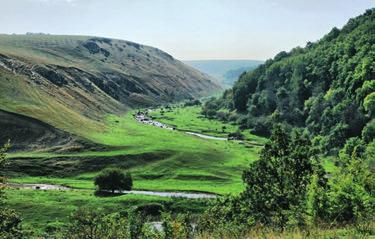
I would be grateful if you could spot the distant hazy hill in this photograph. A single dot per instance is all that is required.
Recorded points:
(225, 71)
(73, 80)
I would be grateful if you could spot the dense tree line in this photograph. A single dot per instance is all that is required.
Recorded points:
(287, 188)
(327, 87)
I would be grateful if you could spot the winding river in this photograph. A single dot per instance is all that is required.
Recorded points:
(41, 186)
(144, 119)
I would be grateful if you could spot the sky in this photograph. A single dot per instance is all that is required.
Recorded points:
(188, 29)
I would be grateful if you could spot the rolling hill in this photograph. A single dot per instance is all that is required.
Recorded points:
(70, 81)
(226, 72)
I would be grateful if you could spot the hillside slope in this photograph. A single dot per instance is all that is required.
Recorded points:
(32, 135)
(70, 81)
(328, 87)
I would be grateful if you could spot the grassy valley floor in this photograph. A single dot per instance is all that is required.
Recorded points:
(159, 159)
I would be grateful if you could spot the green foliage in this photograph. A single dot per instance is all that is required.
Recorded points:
(327, 87)
(10, 224)
(287, 189)
(351, 195)
(150, 209)
(369, 104)
(312, 201)
(10, 221)
(283, 188)
(177, 228)
(113, 179)
(236, 135)
(368, 132)
(192, 103)
(135, 224)
(210, 108)
(88, 224)
(3, 161)
(277, 183)
(167, 225)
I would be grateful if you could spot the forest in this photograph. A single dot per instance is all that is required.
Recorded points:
(326, 88)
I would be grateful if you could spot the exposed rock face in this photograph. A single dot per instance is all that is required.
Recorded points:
(51, 75)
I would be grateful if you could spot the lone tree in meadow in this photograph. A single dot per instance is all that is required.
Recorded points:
(113, 179)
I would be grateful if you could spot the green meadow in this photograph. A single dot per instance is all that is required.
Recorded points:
(190, 119)
(45, 209)
(159, 159)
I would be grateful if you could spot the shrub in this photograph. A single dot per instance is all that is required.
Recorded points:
(192, 103)
(113, 179)
(368, 132)
(150, 209)
(236, 135)
(10, 221)
(351, 196)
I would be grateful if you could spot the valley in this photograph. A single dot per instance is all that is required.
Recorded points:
(153, 155)
(103, 138)
(147, 153)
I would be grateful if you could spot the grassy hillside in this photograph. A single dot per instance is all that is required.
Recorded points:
(74, 81)
(225, 72)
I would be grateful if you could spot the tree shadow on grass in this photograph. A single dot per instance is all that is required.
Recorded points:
(98, 193)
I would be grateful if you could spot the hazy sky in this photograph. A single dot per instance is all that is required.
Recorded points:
(187, 29)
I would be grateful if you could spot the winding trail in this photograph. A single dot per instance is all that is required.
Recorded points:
(41, 186)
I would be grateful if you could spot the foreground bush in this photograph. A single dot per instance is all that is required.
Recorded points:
(287, 189)
(10, 221)
(88, 224)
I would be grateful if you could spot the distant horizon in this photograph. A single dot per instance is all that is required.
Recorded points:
(194, 30)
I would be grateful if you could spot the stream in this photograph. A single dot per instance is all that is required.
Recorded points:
(206, 136)
(144, 119)
(40, 186)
